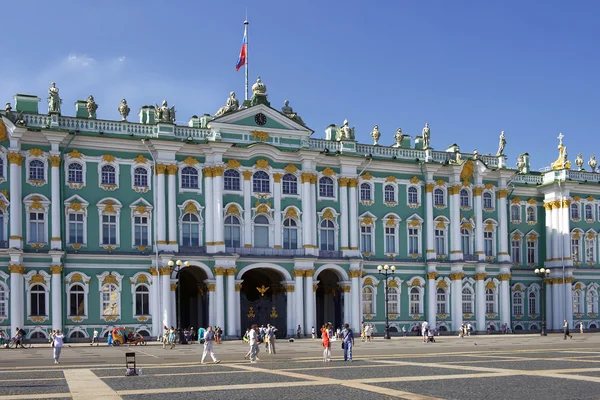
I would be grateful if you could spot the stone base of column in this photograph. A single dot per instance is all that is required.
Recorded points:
(311, 251)
(56, 244)
(350, 253)
(503, 257)
(456, 255)
(215, 248)
(480, 256)
(15, 243)
(171, 247)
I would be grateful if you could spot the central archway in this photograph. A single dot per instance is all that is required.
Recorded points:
(194, 297)
(329, 299)
(263, 300)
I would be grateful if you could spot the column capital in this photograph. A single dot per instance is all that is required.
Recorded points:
(218, 170)
(502, 193)
(299, 273)
(55, 161)
(315, 287)
(238, 287)
(289, 288)
(346, 288)
(478, 191)
(165, 271)
(570, 280)
(453, 190)
(56, 269)
(172, 169)
(220, 271)
(247, 175)
(429, 187)
(15, 158)
(504, 277)
(480, 277)
(548, 205)
(432, 275)
(208, 172)
(343, 182)
(16, 269)
(352, 182)
(309, 273)
(211, 287)
(457, 276)
(277, 177)
(153, 271)
(160, 169)
(355, 273)
(566, 203)
(230, 271)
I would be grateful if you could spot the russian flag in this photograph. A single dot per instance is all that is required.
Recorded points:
(242, 57)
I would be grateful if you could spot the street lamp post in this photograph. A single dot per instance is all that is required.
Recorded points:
(543, 273)
(177, 266)
(386, 270)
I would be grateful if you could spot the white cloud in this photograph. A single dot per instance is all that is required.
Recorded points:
(80, 60)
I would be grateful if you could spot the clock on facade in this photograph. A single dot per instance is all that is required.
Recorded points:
(260, 119)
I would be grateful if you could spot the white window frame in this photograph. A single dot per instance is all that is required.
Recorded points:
(516, 242)
(336, 228)
(493, 232)
(41, 204)
(371, 225)
(410, 300)
(439, 221)
(102, 206)
(391, 221)
(532, 240)
(418, 195)
(394, 200)
(512, 208)
(410, 224)
(470, 241)
(580, 305)
(371, 192)
(535, 290)
(469, 204)
(114, 281)
(269, 227)
(592, 208)
(532, 208)
(198, 169)
(444, 198)
(492, 200)
(576, 238)
(45, 283)
(134, 285)
(373, 299)
(471, 302)
(240, 225)
(494, 301)
(115, 165)
(82, 209)
(575, 208)
(4, 166)
(83, 280)
(44, 159)
(518, 294)
(298, 186)
(591, 298)
(335, 188)
(76, 185)
(191, 207)
(138, 211)
(438, 303)
(591, 243)
(240, 180)
(4, 288)
(141, 189)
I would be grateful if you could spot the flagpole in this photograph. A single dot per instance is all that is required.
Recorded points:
(246, 64)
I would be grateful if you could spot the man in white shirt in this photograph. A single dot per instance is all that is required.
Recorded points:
(209, 338)
(95, 338)
(254, 339)
(425, 330)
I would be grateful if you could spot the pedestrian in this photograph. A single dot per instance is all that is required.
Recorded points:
(254, 342)
(2, 337)
(566, 330)
(367, 333)
(312, 332)
(347, 342)
(172, 337)
(581, 327)
(424, 330)
(326, 344)
(201, 332)
(469, 329)
(57, 344)
(95, 338)
(209, 338)
(165, 337)
(271, 331)
(298, 331)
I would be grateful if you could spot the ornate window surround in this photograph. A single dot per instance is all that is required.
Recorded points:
(236, 210)
(442, 223)
(392, 220)
(535, 289)
(191, 207)
(415, 222)
(37, 203)
(141, 162)
(108, 159)
(334, 181)
(76, 205)
(4, 207)
(493, 200)
(4, 169)
(491, 225)
(578, 234)
(371, 186)
(469, 286)
(396, 283)
(75, 185)
(591, 236)
(36, 154)
(33, 278)
(469, 205)
(105, 278)
(515, 236)
(371, 282)
(492, 284)
(418, 283)
(146, 280)
(331, 214)
(109, 206)
(77, 278)
(293, 213)
(190, 162)
(532, 236)
(418, 203)
(141, 208)
(444, 190)
(394, 186)
(3, 278)
(368, 219)
(446, 284)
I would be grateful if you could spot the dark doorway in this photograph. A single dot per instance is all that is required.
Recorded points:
(263, 300)
(194, 298)
(329, 299)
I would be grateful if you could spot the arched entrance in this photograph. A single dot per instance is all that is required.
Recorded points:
(194, 297)
(263, 300)
(329, 299)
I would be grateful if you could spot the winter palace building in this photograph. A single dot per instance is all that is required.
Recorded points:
(272, 225)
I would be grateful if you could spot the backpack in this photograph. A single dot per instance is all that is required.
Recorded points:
(22, 332)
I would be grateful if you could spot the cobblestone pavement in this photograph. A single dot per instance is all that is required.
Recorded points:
(513, 366)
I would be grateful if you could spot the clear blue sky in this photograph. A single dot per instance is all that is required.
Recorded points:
(469, 68)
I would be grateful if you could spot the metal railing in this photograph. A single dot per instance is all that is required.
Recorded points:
(330, 254)
(260, 251)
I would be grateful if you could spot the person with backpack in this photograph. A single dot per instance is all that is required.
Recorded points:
(347, 342)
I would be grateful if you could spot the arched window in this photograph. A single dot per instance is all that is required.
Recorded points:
(517, 303)
(190, 230)
(144, 333)
(464, 198)
(326, 187)
(140, 177)
(467, 301)
(290, 234)
(110, 300)
(367, 300)
(592, 301)
(38, 301)
(441, 301)
(393, 300)
(589, 212)
(260, 182)
(530, 214)
(575, 211)
(533, 309)
(77, 335)
(142, 300)
(438, 197)
(465, 237)
(189, 178)
(3, 301)
(108, 175)
(76, 301)
(412, 195)
(75, 173)
(490, 301)
(232, 231)
(327, 235)
(261, 231)
(289, 184)
(389, 194)
(515, 212)
(36, 170)
(415, 301)
(365, 192)
(577, 302)
(38, 335)
(487, 201)
(231, 180)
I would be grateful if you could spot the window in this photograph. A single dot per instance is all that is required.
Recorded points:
(109, 229)
(464, 198)
(37, 227)
(590, 251)
(577, 302)
(2, 167)
(142, 300)
(465, 237)
(190, 227)
(365, 192)
(108, 175)
(576, 247)
(438, 197)
(592, 301)
(232, 231)
(110, 300)
(392, 300)
(530, 214)
(76, 228)
(3, 301)
(390, 239)
(517, 303)
(440, 242)
(2, 226)
(412, 195)
(231, 180)
(441, 301)
(38, 301)
(36, 171)
(366, 237)
(140, 227)
(515, 213)
(575, 211)
(189, 178)
(515, 254)
(75, 173)
(415, 301)
(488, 243)
(389, 194)
(488, 204)
(467, 301)
(261, 231)
(326, 187)
(327, 235)
(289, 184)
(413, 241)
(260, 182)
(531, 251)
(140, 177)
(290, 234)
(533, 303)
(77, 335)
(490, 301)
(589, 212)
(77, 301)
(367, 300)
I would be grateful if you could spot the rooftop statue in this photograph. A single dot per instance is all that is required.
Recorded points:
(345, 132)
(124, 110)
(289, 112)
(501, 145)
(562, 162)
(91, 106)
(521, 164)
(259, 88)
(475, 154)
(375, 134)
(593, 163)
(54, 100)
(398, 136)
(231, 105)
(579, 162)
(164, 113)
(426, 137)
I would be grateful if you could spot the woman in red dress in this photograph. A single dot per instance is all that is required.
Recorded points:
(326, 343)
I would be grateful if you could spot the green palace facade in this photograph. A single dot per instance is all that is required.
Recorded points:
(272, 225)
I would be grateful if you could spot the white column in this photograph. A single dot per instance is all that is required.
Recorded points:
(556, 232)
(347, 302)
(548, 208)
(504, 298)
(431, 289)
(556, 305)
(209, 210)
(219, 298)
(309, 299)
(161, 211)
(173, 302)
(219, 229)
(455, 240)
(456, 300)
(289, 293)
(307, 215)
(548, 300)
(16, 205)
(566, 233)
(480, 301)
(277, 210)
(172, 204)
(313, 207)
(568, 303)
(299, 290)
(239, 329)
(343, 184)
(211, 303)
(479, 248)
(247, 209)
(502, 226)
(155, 301)
(353, 208)
(429, 225)
(56, 292)
(16, 298)
(230, 326)
(56, 243)
(355, 292)
(165, 278)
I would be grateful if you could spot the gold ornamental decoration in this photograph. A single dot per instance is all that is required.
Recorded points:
(260, 136)
(110, 279)
(366, 176)
(467, 171)
(75, 154)
(429, 187)
(108, 158)
(233, 164)
(291, 168)
(262, 290)
(247, 175)
(15, 158)
(442, 284)
(190, 208)
(262, 163)
(504, 277)
(55, 161)
(392, 179)
(480, 277)
(251, 314)
(56, 269)
(140, 159)
(2, 131)
(165, 271)
(457, 276)
(232, 209)
(172, 169)
(273, 312)
(291, 213)
(36, 152)
(190, 161)
(432, 275)
(414, 180)
(328, 172)
(328, 214)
